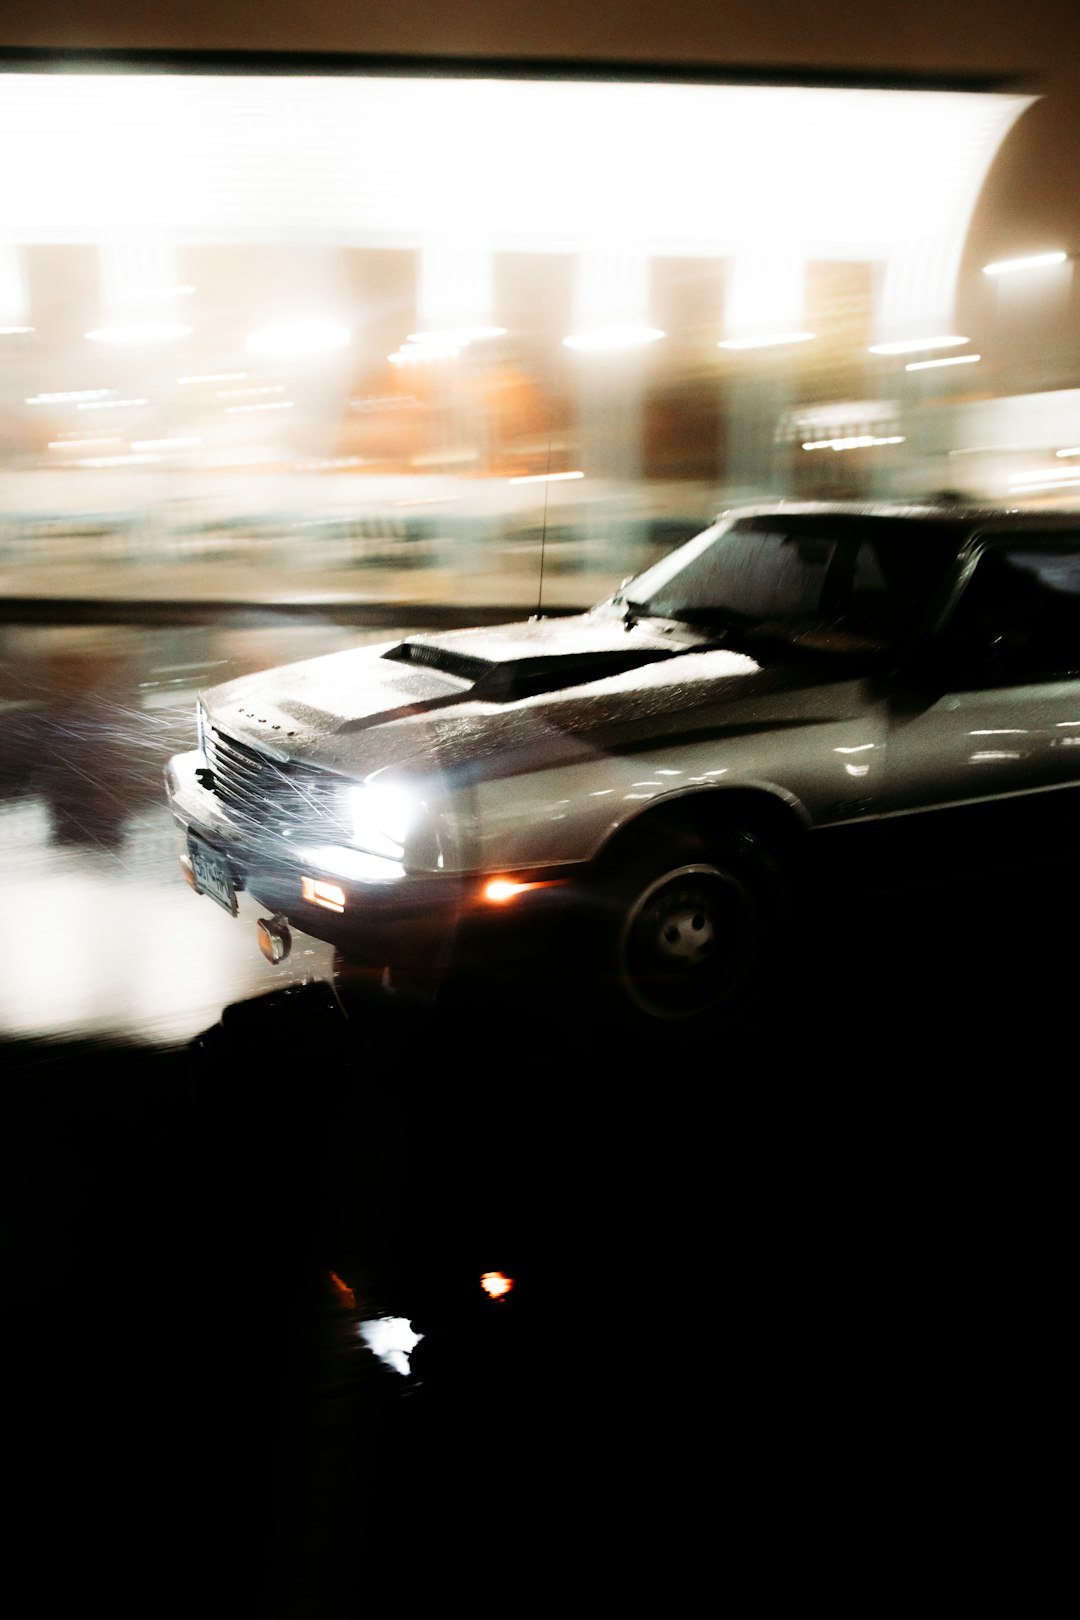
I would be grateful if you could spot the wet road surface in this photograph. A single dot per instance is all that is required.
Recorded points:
(753, 1297)
(103, 934)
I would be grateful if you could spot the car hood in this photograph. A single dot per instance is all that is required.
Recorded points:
(512, 697)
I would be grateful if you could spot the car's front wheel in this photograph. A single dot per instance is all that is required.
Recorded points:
(689, 928)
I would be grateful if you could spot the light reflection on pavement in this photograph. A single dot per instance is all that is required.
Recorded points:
(114, 942)
(102, 934)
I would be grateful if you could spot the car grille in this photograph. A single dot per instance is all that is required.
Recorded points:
(258, 789)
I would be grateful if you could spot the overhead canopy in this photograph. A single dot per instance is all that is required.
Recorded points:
(683, 169)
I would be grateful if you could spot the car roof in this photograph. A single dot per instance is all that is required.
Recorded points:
(951, 520)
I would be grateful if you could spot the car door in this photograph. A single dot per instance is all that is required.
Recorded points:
(996, 711)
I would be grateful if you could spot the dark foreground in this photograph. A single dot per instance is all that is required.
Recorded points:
(784, 1302)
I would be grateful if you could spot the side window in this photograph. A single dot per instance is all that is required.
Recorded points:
(1019, 617)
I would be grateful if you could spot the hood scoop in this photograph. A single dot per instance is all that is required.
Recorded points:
(447, 660)
(509, 680)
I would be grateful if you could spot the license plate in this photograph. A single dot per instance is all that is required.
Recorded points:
(212, 873)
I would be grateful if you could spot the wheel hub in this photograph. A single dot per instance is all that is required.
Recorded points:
(687, 941)
(686, 934)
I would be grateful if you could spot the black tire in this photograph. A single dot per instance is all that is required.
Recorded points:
(690, 927)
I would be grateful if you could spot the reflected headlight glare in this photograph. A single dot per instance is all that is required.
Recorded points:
(382, 816)
(200, 726)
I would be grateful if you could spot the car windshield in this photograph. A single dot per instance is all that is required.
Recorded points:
(836, 585)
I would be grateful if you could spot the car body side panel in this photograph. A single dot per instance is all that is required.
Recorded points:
(821, 752)
(984, 743)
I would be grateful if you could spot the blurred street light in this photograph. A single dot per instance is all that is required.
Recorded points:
(916, 345)
(1034, 261)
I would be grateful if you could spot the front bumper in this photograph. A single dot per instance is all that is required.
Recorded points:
(385, 917)
(417, 924)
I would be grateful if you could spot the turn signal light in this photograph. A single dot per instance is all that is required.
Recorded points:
(499, 890)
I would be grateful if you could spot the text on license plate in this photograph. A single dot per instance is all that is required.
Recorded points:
(212, 873)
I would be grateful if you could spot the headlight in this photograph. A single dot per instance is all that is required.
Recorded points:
(382, 817)
(200, 725)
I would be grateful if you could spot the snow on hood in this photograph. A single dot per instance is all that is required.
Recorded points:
(495, 700)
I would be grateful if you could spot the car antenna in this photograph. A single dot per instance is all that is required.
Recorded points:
(543, 527)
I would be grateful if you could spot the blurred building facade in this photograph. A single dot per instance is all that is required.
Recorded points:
(367, 315)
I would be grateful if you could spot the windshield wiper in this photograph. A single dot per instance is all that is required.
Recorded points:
(706, 619)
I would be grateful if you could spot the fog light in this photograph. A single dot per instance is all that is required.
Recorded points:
(330, 895)
(275, 940)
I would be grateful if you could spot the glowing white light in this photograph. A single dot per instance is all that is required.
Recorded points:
(836, 174)
(392, 1339)
(1048, 483)
(130, 333)
(545, 478)
(382, 816)
(68, 394)
(274, 405)
(429, 500)
(213, 377)
(165, 444)
(946, 360)
(765, 293)
(299, 337)
(913, 345)
(246, 393)
(1034, 261)
(422, 352)
(76, 443)
(462, 336)
(613, 337)
(116, 461)
(109, 404)
(856, 441)
(353, 864)
(141, 296)
(454, 295)
(1074, 450)
(882, 173)
(13, 301)
(767, 340)
(1043, 476)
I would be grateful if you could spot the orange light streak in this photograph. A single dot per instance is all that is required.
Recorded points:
(343, 1291)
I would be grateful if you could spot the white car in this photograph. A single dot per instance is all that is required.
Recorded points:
(626, 792)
